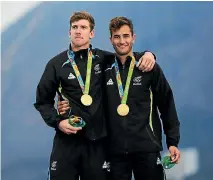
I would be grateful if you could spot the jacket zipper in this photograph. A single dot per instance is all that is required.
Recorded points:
(152, 138)
(125, 122)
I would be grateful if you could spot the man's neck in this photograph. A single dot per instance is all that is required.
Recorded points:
(123, 57)
(77, 48)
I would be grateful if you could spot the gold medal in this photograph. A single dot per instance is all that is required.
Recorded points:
(86, 100)
(123, 109)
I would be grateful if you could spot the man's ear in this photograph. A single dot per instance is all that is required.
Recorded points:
(110, 38)
(134, 38)
(92, 34)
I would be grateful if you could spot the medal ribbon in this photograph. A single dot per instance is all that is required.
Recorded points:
(124, 94)
(84, 88)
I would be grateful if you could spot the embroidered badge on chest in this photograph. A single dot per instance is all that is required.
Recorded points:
(137, 81)
(97, 69)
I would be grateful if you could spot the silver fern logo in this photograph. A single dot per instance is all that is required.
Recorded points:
(97, 69)
(137, 80)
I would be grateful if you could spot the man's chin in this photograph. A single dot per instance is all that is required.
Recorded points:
(122, 53)
(79, 44)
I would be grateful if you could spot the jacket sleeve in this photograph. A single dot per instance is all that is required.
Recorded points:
(138, 55)
(108, 55)
(45, 94)
(164, 99)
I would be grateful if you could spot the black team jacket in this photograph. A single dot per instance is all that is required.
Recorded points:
(140, 130)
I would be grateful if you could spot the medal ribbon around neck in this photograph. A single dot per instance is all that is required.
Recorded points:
(123, 109)
(84, 88)
(124, 93)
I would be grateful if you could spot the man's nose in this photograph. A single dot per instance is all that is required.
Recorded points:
(122, 40)
(78, 31)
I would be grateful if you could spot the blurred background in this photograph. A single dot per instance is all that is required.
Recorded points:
(179, 33)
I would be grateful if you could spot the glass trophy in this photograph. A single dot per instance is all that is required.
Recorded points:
(76, 121)
(167, 163)
(73, 120)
